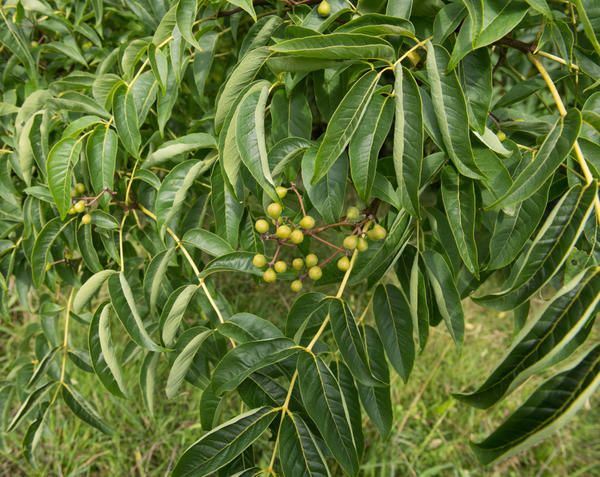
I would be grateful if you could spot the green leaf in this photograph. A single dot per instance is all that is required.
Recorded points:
(102, 353)
(172, 149)
(552, 153)
(246, 5)
(90, 289)
(379, 25)
(156, 283)
(183, 361)
(477, 76)
(160, 65)
(364, 147)
(83, 409)
(227, 210)
(550, 406)
(101, 152)
(31, 401)
(206, 241)
(590, 25)
(123, 303)
(328, 194)
(336, 46)
(458, 194)
(250, 137)
(299, 453)
(241, 361)
(126, 119)
(545, 340)
(244, 327)
(42, 366)
(324, 403)
(394, 322)
(446, 295)
(62, 158)
(224, 443)
(450, 109)
(350, 342)
(148, 379)
(377, 399)
(542, 7)
(244, 73)
(185, 16)
(41, 248)
(232, 262)
(291, 116)
(548, 250)
(34, 434)
(408, 138)
(173, 311)
(343, 124)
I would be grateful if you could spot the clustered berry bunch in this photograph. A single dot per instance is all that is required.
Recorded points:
(290, 233)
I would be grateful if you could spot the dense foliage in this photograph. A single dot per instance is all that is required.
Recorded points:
(418, 152)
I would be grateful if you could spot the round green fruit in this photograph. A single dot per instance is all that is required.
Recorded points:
(269, 275)
(350, 242)
(281, 192)
(259, 260)
(86, 219)
(283, 231)
(79, 206)
(352, 213)
(307, 222)
(324, 9)
(274, 210)
(48, 266)
(378, 232)
(296, 286)
(34, 44)
(79, 188)
(280, 266)
(297, 264)
(261, 226)
(343, 264)
(362, 244)
(71, 211)
(311, 260)
(501, 135)
(296, 236)
(315, 273)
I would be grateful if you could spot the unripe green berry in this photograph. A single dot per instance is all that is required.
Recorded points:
(86, 219)
(274, 210)
(71, 211)
(350, 242)
(79, 206)
(280, 266)
(311, 260)
(87, 45)
(261, 226)
(296, 286)
(378, 232)
(343, 264)
(315, 273)
(352, 213)
(362, 244)
(48, 266)
(269, 275)
(501, 135)
(281, 192)
(324, 9)
(259, 260)
(79, 188)
(296, 236)
(297, 264)
(283, 231)
(68, 255)
(307, 222)
(34, 44)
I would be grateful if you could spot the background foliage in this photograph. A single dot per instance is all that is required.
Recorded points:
(142, 141)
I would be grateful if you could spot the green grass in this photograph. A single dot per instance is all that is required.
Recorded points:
(430, 435)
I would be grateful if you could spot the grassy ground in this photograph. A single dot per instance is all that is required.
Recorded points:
(430, 435)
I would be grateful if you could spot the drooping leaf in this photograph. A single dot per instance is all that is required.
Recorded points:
(62, 158)
(101, 153)
(42, 245)
(89, 289)
(126, 119)
(83, 409)
(206, 241)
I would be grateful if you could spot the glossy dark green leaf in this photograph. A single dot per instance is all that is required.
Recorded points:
(102, 353)
(450, 109)
(42, 366)
(244, 327)
(547, 252)
(30, 402)
(477, 74)
(549, 407)
(302, 309)
(364, 147)
(446, 295)
(83, 409)
(458, 194)
(41, 248)
(156, 283)
(126, 119)
(224, 443)
(588, 15)
(123, 302)
(290, 116)
(232, 262)
(552, 153)
(352, 403)
(247, 358)
(343, 124)
(408, 138)
(379, 25)
(394, 322)
(299, 453)
(325, 405)
(545, 340)
(328, 194)
(62, 158)
(206, 241)
(227, 210)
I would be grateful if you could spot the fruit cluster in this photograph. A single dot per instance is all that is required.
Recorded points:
(288, 233)
(80, 205)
